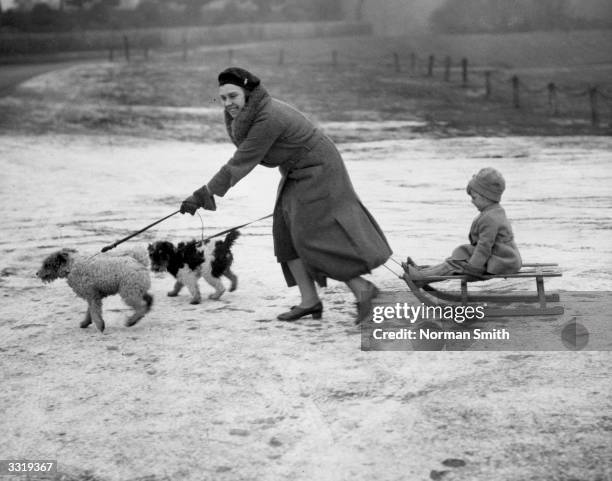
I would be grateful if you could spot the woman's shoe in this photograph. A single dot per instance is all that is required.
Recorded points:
(364, 306)
(298, 312)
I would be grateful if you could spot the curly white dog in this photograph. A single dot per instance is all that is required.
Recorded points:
(94, 278)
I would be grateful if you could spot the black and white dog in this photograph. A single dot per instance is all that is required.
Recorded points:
(189, 261)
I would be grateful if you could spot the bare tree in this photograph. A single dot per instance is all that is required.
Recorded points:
(24, 5)
(264, 7)
(82, 4)
(192, 9)
(359, 10)
(500, 15)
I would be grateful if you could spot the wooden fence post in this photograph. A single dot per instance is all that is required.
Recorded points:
(230, 56)
(593, 101)
(430, 66)
(447, 67)
(396, 62)
(515, 92)
(464, 71)
(553, 105)
(184, 45)
(126, 47)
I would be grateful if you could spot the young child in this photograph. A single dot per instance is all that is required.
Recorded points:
(491, 249)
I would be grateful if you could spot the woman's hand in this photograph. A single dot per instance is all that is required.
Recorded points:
(200, 198)
(190, 205)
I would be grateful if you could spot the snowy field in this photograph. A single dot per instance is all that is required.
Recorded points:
(222, 391)
(87, 192)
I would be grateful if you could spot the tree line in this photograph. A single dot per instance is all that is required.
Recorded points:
(105, 14)
(495, 16)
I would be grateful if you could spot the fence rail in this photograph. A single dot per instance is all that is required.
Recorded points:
(150, 38)
(590, 101)
(493, 84)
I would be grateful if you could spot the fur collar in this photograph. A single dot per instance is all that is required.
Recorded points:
(238, 127)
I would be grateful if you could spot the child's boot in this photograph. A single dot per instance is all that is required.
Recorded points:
(418, 275)
(444, 269)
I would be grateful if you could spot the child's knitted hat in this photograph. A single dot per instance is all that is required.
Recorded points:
(489, 183)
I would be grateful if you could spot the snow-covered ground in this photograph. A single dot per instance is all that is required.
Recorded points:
(88, 192)
(222, 391)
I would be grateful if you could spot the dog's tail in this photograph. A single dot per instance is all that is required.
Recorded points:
(148, 298)
(222, 254)
(230, 239)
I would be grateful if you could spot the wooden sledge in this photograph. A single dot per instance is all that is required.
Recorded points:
(430, 296)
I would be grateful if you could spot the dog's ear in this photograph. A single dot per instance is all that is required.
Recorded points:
(63, 255)
(57, 260)
(166, 247)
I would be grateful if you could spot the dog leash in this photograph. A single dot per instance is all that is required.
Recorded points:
(121, 241)
(226, 231)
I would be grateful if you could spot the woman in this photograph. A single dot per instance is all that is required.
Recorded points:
(320, 227)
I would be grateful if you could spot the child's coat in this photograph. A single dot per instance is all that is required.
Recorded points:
(492, 245)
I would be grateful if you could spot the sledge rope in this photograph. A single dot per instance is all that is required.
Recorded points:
(395, 274)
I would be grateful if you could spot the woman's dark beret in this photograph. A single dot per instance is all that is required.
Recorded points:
(240, 77)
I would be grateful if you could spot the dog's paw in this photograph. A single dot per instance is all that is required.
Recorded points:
(195, 301)
(132, 321)
(215, 296)
(172, 294)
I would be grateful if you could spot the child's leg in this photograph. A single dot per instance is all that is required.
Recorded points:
(443, 269)
(462, 253)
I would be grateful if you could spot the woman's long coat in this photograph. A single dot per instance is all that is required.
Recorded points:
(492, 245)
(331, 231)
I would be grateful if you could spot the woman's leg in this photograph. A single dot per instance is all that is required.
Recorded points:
(305, 283)
(361, 288)
(364, 291)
